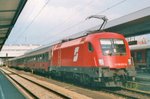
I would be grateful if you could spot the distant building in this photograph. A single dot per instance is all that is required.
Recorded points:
(142, 39)
(16, 49)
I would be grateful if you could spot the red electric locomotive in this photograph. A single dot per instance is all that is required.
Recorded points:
(101, 58)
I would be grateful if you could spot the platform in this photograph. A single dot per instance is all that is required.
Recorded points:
(142, 82)
(8, 90)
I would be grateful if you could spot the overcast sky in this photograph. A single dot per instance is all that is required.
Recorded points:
(45, 21)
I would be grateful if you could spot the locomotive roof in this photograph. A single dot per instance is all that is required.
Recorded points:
(46, 48)
(139, 47)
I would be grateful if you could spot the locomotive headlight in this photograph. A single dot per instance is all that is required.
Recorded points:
(101, 61)
(129, 61)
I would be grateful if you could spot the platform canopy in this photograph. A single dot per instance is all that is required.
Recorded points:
(9, 13)
(136, 23)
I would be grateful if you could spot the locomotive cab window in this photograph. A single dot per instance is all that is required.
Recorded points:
(113, 46)
(90, 47)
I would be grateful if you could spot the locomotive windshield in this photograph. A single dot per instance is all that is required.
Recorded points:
(113, 46)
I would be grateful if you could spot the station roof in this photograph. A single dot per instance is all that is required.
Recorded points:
(9, 13)
(136, 23)
(133, 24)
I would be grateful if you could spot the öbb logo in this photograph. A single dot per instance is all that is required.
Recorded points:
(76, 50)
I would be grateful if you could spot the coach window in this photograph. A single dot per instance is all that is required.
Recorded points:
(40, 57)
(90, 47)
(46, 56)
(34, 58)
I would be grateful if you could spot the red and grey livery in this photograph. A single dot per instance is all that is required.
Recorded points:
(100, 58)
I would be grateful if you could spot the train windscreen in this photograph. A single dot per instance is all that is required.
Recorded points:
(113, 47)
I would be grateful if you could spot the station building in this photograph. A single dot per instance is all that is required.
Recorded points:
(15, 50)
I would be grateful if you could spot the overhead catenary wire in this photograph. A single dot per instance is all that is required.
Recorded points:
(22, 21)
(32, 21)
(72, 26)
(69, 19)
(82, 21)
(118, 3)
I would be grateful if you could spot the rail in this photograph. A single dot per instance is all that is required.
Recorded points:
(30, 92)
(128, 93)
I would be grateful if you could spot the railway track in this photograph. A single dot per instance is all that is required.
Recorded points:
(20, 85)
(138, 85)
(128, 93)
(123, 92)
(37, 91)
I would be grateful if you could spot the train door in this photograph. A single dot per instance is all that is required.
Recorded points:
(59, 57)
(50, 56)
(55, 58)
